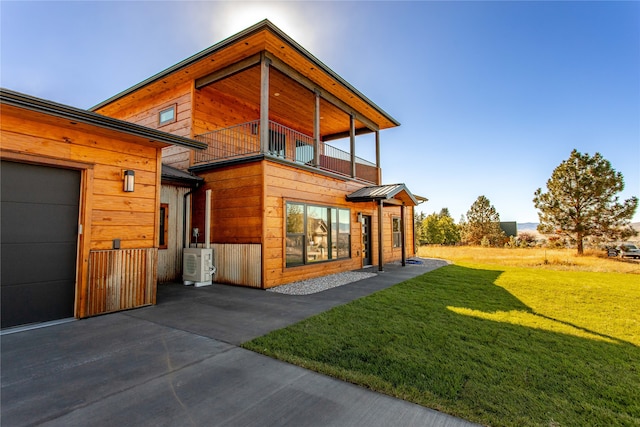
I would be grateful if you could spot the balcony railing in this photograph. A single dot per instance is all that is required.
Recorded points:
(284, 143)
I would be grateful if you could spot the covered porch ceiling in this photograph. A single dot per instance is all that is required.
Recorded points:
(290, 103)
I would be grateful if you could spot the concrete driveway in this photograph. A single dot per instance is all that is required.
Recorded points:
(178, 364)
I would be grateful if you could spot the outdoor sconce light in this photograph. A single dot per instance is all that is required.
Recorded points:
(129, 181)
(360, 219)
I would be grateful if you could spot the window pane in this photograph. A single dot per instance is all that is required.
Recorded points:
(167, 115)
(295, 246)
(334, 234)
(317, 234)
(344, 239)
(295, 218)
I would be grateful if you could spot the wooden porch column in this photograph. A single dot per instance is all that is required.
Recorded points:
(264, 104)
(403, 238)
(380, 236)
(378, 158)
(316, 130)
(352, 137)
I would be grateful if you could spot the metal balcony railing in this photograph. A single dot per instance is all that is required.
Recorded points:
(284, 143)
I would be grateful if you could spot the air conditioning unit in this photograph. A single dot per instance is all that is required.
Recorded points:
(197, 266)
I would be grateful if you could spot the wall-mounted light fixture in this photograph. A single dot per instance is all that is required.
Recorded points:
(360, 218)
(129, 180)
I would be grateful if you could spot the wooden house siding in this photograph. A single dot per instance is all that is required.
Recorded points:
(236, 204)
(101, 155)
(145, 112)
(286, 183)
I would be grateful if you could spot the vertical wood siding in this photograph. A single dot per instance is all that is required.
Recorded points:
(170, 259)
(121, 279)
(238, 264)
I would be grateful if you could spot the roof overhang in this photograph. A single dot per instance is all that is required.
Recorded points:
(393, 194)
(78, 116)
(171, 175)
(241, 50)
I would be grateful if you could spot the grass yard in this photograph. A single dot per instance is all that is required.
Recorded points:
(488, 340)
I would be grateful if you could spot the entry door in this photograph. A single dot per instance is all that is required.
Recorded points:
(39, 229)
(366, 240)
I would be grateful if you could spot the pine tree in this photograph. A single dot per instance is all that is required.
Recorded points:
(581, 201)
(482, 225)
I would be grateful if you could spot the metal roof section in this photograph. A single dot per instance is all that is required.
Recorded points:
(390, 192)
(260, 26)
(78, 115)
(171, 174)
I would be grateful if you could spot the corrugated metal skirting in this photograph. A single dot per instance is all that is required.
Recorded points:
(238, 264)
(121, 279)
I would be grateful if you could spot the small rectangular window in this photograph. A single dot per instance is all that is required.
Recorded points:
(397, 233)
(163, 241)
(166, 116)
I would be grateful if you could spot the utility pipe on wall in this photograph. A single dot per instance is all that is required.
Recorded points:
(207, 220)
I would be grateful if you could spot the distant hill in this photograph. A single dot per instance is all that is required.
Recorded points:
(532, 228)
(527, 226)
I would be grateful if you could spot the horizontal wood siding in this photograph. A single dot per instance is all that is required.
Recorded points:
(238, 264)
(236, 204)
(285, 183)
(121, 279)
(106, 212)
(145, 112)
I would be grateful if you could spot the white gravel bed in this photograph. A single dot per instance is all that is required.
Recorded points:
(319, 284)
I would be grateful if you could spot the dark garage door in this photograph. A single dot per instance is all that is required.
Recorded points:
(39, 235)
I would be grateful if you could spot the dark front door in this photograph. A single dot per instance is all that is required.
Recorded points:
(39, 242)
(366, 240)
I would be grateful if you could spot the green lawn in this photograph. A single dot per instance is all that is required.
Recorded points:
(500, 346)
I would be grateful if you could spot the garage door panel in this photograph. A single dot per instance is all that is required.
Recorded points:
(40, 262)
(56, 223)
(38, 249)
(36, 302)
(39, 184)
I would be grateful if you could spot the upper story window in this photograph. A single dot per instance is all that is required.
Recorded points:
(167, 115)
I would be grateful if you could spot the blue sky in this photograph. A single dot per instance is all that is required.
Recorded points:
(491, 96)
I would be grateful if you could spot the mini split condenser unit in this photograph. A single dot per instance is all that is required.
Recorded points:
(197, 266)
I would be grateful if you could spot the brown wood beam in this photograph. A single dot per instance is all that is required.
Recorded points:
(264, 103)
(342, 135)
(316, 129)
(352, 142)
(378, 158)
(228, 71)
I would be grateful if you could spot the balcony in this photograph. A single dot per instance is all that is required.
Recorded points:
(286, 145)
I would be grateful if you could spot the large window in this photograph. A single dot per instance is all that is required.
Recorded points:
(317, 233)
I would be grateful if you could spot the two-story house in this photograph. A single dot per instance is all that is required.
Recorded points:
(286, 203)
